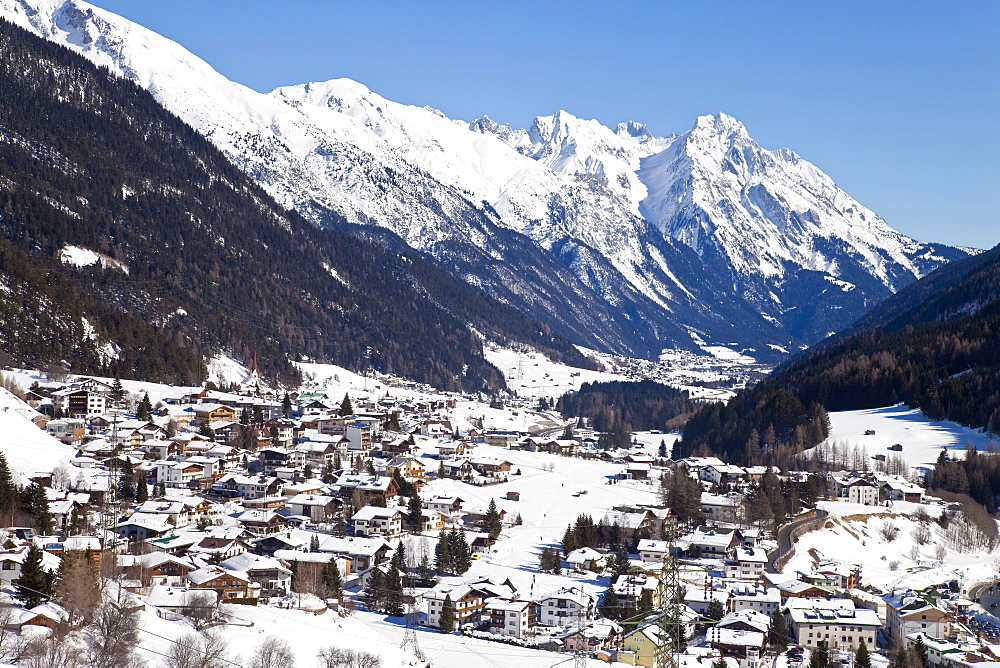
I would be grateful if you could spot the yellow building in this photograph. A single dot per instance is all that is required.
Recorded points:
(639, 646)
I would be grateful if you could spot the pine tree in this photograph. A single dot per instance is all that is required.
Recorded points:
(286, 405)
(414, 514)
(35, 584)
(461, 555)
(117, 393)
(568, 541)
(492, 522)
(345, 406)
(443, 562)
(144, 411)
(141, 490)
(447, 619)
(8, 491)
(609, 603)
(36, 504)
(393, 592)
(314, 543)
(777, 632)
(333, 580)
(919, 651)
(375, 593)
(861, 658)
(715, 610)
(399, 557)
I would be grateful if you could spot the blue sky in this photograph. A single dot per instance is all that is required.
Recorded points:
(897, 101)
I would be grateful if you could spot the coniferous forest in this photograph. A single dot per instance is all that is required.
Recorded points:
(213, 263)
(621, 406)
(934, 346)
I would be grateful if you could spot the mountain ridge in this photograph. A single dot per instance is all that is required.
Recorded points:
(603, 217)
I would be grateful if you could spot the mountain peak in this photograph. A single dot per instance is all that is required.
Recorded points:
(723, 126)
(633, 129)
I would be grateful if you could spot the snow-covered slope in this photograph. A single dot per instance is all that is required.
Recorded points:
(615, 237)
(29, 451)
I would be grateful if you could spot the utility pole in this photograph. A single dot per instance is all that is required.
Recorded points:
(666, 654)
(410, 636)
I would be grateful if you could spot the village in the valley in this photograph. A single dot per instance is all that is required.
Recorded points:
(381, 519)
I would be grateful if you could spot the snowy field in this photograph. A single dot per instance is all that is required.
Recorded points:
(922, 439)
(28, 449)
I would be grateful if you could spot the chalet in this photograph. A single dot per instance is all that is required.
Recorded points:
(226, 583)
(451, 449)
(722, 474)
(457, 468)
(157, 568)
(317, 507)
(318, 450)
(638, 647)
(376, 522)
(907, 612)
(362, 552)
(719, 508)
(600, 635)
(271, 575)
(206, 414)
(68, 430)
(510, 617)
(436, 428)
(141, 526)
(260, 521)
(468, 603)
(711, 543)
(175, 513)
(566, 607)
(251, 487)
(272, 458)
(636, 472)
(368, 487)
(746, 563)
(653, 550)
(500, 438)
(408, 467)
(432, 520)
(449, 505)
(585, 559)
(218, 547)
(48, 615)
(854, 489)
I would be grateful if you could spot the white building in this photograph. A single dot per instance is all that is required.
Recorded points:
(567, 607)
(510, 617)
(836, 621)
(378, 522)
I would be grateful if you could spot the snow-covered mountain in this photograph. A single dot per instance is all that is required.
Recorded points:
(617, 238)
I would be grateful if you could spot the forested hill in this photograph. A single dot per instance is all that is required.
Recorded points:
(184, 256)
(935, 346)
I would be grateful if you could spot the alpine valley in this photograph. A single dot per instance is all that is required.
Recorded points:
(615, 239)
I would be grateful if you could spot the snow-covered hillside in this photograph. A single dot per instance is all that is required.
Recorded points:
(621, 239)
(920, 438)
(29, 450)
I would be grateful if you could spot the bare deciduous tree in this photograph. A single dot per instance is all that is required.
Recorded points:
(51, 651)
(335, 657)
(203, 610)
(112, 635)
(888, 531)
(273, 653)
(192, 650)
